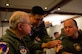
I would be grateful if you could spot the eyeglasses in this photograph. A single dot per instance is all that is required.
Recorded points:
(39, 19)
(26, 23)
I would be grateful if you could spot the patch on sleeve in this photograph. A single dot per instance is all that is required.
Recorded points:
(3, 48)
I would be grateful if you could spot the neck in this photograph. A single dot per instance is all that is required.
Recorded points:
(17, 33)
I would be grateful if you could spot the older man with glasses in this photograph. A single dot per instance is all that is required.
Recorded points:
(12, 42)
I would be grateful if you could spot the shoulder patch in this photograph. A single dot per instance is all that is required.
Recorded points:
(3, 48)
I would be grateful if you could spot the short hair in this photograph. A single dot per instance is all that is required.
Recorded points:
(37, 10)
(16, 17)
(75, 22)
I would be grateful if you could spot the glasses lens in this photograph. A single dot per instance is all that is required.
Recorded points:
(39, 19)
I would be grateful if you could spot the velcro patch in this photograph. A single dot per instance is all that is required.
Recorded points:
(3, 48)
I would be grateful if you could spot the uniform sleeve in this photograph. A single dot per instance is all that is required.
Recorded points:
(42, 33)
(10, 47)
(34, 46)
(6, 48)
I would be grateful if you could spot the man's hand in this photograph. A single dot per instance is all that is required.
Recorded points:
(58, 47)
(51, 44)
(66, 53)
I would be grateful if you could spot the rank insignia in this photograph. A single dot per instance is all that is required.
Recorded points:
(77, 47)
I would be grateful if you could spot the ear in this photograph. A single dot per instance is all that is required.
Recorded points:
(20, 26)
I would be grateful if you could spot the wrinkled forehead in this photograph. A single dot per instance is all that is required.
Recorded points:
(69, 22)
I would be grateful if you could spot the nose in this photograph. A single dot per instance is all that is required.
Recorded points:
(67, 29)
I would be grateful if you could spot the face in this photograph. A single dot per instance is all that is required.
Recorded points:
(26, 26)
(57, 35)
(70, 28)
(36, 19)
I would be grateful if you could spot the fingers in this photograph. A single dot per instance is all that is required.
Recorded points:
(54, 43)
(66, 53)
(58, 47)
(57, 42)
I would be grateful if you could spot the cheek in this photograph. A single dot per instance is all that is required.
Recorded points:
(34, 22)
(69, 31)
(28, 30)
(73, 30)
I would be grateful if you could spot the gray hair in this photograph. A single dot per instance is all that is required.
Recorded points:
(17, 17)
